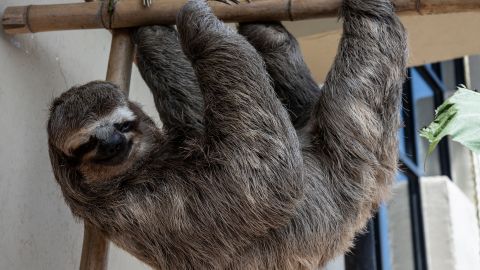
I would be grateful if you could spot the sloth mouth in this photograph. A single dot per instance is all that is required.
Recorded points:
(117, 158)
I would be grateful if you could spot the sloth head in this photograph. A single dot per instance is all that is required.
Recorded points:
(97, 131)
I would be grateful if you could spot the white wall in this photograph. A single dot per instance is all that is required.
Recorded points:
(450, 223)
(450, 227)
(37, 230)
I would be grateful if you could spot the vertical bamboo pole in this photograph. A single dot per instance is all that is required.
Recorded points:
(94, 250)
(95, 245)
(121, 59)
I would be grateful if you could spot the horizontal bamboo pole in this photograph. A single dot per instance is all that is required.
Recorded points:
(131, 13)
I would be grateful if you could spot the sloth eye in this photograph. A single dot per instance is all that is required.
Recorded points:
(86, 147)
(125, 126)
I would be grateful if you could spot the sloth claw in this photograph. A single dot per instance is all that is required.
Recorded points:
(228, 2)
(147, 3)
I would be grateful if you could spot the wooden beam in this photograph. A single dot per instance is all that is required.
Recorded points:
(94, 249)
(131, 13)
(120, 61)
(95, 245)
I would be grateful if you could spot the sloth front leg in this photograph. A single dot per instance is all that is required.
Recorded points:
(292, 79)
(240, 104)
(355, 121)
(171, 79)
(250, 143)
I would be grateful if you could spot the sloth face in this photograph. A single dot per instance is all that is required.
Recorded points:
(106, 141)
(98, 130)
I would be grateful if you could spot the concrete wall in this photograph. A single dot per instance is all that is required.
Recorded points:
(432, 38)
(450, 222)
(450, 227)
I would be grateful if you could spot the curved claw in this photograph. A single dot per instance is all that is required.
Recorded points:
(228, 2)
(147, 3)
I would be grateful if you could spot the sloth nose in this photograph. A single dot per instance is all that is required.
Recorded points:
(110, 147)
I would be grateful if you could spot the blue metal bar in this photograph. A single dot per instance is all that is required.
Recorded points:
(438, 89)
(408, 164)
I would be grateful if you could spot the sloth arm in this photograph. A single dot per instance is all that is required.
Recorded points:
(355, 120)
(350, 149)
(171, 79)
(253, 165)
(292, 79)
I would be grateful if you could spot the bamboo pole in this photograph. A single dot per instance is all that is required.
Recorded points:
(131, 13)
(95, 245)
(121, 58)
(94, 249)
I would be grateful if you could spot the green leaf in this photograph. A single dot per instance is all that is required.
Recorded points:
(459, 117)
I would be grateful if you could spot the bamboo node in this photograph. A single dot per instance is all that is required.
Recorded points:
(418, 6)
(105, 15)
(289, 10)
(16, 19)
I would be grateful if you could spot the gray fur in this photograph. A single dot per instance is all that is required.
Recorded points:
(293, 83)
(226, 184)
(170, 76)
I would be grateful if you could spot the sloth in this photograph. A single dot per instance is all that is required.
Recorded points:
(255, 166)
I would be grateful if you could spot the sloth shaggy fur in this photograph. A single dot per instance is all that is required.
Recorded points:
(255, 167)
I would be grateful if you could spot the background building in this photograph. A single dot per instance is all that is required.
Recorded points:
(431, 223)
(432, 220)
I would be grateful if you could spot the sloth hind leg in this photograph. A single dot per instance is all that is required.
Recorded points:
(171, 79)
(239, 99)
(293, 82)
